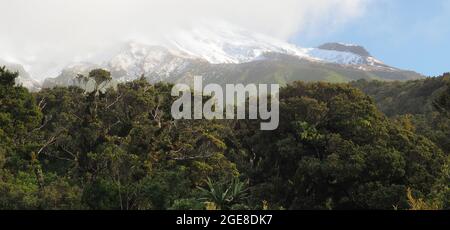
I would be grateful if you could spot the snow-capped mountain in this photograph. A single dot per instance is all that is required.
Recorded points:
(68, 75)
(136, 59)
(223, 43)
(228, 44)
(346, 54)
(222, 49)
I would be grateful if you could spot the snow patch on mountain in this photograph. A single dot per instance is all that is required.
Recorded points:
(224, 43)
(137, 59)
(337, 57)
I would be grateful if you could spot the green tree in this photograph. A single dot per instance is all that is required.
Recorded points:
(335, 150)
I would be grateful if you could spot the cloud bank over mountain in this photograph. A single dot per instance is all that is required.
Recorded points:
(46, 35)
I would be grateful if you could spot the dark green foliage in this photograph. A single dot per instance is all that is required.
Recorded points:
(23, 184)
(125, 148)
(7, 78)
(335, 150)
(421, 107)
(398, 98)
(442, 103)
(119, 148)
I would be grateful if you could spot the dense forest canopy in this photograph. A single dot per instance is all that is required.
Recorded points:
(422, 105)
(407, 97)
(336, 148)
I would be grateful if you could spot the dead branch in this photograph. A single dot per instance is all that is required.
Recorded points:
(51, 141)
(42, 104)
(186, 158)
(156, 114)
(69, 152)
(115, 101)
(111, 126)
(43, 125)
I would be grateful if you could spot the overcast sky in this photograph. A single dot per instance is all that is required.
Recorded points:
(45, 35)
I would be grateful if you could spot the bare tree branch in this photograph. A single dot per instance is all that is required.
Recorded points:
(111, 126)
(42, 104)
(188, 158)
(114, 102)
(51, 141)
(43, 124)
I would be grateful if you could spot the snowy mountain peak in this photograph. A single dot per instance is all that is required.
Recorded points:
(350, 48)
(229, 44)
(347, 54)
(202, 49)
(225, 43)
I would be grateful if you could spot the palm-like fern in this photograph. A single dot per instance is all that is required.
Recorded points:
(225, 195)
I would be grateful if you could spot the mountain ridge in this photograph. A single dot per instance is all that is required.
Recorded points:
(158, 63)
(228, 54)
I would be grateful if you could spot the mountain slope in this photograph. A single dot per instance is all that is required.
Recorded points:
(226, 54)
(160, 64)
(410, 97)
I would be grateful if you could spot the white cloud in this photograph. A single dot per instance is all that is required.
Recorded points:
(56, 32)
